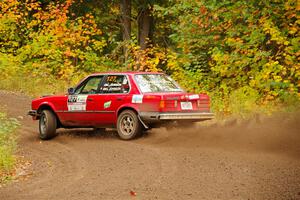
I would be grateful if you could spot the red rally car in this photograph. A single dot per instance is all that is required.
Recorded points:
(129, 101)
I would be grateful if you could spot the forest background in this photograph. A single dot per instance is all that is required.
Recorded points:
(244, 54)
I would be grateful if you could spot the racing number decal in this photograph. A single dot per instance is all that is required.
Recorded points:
(77, 102)
(111, 79)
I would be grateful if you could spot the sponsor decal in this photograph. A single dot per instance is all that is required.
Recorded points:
(107, 104)
(137, 98)
(194, 96)
(77, 102)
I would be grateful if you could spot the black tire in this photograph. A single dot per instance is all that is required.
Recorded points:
(47, 125)
(128, 125)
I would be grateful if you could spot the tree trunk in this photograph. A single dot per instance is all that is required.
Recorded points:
(126, 23)
(145, 26)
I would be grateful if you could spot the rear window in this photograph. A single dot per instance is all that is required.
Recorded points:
(156, 83)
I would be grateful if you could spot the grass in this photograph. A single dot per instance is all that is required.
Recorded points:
(33, 86)
(8, 145)
(245, 103)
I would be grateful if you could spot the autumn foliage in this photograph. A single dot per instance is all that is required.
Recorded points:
(245, 54)
(238, 50)
(43, 40)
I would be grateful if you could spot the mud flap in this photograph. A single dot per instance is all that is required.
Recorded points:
(143, 123)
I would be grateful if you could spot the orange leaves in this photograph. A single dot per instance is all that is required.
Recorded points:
(216, 37)
(68, 53)
(54, 41)
(203, 10)
(145, 60)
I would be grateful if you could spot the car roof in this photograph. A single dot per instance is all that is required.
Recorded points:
(127, 73)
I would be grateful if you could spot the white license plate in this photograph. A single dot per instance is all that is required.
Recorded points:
(186, 105)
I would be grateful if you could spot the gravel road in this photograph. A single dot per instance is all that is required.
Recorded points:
(253, 160)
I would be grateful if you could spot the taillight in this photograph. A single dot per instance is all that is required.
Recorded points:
(162, 104)
(198, 103)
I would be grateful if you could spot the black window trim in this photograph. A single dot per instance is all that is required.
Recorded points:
(99, 92)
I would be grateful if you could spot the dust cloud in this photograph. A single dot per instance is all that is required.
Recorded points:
(279, 134)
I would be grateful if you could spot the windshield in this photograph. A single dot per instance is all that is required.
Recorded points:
(156, 83)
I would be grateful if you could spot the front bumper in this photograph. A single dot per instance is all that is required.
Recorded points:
(193, 116)
(33, 113)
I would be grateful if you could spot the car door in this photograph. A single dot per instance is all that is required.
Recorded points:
(114, 92)
(80, 106)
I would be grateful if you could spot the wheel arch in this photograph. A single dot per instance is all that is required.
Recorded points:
(46, 106)
(127, 108)
(134, 109)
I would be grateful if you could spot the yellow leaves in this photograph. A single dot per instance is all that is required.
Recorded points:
(292, 88)
(253, 83)
(99, 45)
(286, 43)
(272, 71)
(147, 59)
(115, 10)
(67, 71)
(230, 40)
(51, 36)
(32, 23)
(236, 42)
(277, 78)
(293, 30)
(69, 53)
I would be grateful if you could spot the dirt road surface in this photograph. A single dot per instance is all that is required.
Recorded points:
(244, 161)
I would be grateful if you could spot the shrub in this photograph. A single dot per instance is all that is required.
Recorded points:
(7, 142)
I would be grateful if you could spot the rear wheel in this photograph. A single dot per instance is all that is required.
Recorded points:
(47, 125)
(128, 125)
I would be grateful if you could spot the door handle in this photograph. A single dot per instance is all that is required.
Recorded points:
(119, 98)
(90, 99)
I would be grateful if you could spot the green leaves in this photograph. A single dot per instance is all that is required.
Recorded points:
(49, 40)
(7, 142)
(232, 45)
(215, 46)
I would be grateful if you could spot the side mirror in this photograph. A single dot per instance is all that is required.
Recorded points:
(71, 91)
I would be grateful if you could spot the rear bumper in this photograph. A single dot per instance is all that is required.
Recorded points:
(177, 116)
(192, 116)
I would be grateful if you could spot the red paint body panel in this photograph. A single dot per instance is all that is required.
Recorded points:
(101, 109)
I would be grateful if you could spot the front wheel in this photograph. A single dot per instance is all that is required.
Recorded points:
(128, 125)
(47, 125)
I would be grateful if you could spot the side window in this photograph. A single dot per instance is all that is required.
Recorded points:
(116, 84)
(90, 86)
